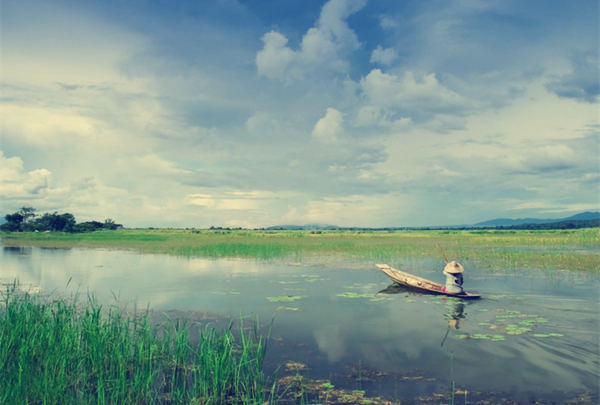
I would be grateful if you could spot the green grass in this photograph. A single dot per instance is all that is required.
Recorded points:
(494, 249)
(68, 353)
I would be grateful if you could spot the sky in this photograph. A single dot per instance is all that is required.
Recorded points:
(251, 114)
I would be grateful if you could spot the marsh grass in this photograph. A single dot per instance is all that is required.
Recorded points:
(59, 352)
(492, 249)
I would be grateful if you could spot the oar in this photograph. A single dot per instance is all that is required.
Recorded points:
(443, 254)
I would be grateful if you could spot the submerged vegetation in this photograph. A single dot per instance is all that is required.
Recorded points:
(67, 353)
(493, 249)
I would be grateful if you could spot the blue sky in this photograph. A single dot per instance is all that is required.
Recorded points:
(258, 113)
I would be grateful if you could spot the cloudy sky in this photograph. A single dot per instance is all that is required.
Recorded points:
(253, 113)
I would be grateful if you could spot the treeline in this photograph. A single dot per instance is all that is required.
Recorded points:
(26, 220)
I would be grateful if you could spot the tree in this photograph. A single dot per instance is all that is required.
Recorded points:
(54, 222)
(18, 221)
(109, 224)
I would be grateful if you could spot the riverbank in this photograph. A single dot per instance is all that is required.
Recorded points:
(490, 249)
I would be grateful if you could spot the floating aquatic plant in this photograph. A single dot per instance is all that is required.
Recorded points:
(287, 309)
(547, 335)
(314, 280)
(527, 322)
(284, 298)
(481, 336)
(516, 330)
(355, 295)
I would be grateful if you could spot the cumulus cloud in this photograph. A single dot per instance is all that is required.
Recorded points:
(383, 56)
(582, 84)
(330, 127)
(323, 46)
(389, 90)
(16, 183)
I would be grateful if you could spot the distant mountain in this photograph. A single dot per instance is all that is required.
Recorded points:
(584, 216)
(583, 220)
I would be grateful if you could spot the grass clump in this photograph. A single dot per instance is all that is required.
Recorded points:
(63, 352)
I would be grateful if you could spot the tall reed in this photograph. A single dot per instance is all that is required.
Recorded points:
(59, 352)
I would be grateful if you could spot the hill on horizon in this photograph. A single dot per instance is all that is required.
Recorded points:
(498, 222)
(584, 216)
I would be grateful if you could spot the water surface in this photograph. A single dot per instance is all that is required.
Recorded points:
(530, 335)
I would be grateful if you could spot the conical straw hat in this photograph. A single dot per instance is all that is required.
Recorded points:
(454, 267)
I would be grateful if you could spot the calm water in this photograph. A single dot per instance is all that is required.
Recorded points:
(411, 337)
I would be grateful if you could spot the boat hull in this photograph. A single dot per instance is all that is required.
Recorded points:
(421, 284)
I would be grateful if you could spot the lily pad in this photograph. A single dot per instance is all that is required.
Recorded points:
(527, 322)
(497, 338)
(480, 336)
(541, 320)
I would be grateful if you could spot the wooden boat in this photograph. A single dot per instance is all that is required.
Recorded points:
(419, 283)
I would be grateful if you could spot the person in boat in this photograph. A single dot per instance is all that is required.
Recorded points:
(454, 278)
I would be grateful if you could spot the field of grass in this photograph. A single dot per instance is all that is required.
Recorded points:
(59, 352)
(494, 249)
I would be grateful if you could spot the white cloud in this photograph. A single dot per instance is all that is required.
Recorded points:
(16, 183)
(388, 90)
(43, 125)
(330, 127)
(323, 46)
(383, 56)
(261, 122)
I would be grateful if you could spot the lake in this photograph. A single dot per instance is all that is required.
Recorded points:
(530, 336)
